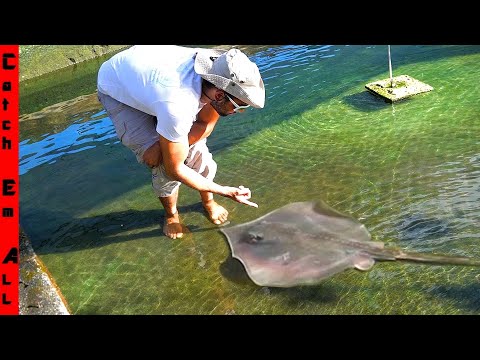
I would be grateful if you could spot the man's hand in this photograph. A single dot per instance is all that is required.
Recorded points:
(153, 155)
(240, 194)
(174, 155)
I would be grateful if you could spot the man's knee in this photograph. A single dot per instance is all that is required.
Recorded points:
(162, 185)
(210, 170)
(201, 161)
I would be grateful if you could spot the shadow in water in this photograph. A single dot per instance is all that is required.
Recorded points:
(419, 227)
(234, 271)
(367, 102)
(114, 227)
(467, 297)
(319, 294)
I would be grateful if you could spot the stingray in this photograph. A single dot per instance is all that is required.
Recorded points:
(303, 243)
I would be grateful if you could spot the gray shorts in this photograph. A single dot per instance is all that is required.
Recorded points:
(137, 131)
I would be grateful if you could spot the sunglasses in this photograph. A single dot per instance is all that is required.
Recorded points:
(237, 108)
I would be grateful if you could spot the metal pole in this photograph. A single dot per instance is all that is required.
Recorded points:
(390, 67)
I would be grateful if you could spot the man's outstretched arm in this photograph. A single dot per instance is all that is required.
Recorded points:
(174, 155)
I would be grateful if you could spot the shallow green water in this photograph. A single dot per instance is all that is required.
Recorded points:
(409, 171)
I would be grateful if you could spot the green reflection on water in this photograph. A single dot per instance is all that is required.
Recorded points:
(397, 168)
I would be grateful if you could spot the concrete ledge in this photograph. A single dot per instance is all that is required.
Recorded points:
(38, 293)
(398, 88)
(37, 60)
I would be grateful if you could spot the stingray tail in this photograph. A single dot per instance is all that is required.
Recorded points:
(437, 259)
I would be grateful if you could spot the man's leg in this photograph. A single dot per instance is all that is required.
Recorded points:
(216, 212)
(137, 131)
(172, 227)
(167, 192)
(200, 159)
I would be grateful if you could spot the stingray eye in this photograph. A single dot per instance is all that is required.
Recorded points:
(259, 236)
(255, 236)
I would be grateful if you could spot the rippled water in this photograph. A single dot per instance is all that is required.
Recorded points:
(409, 171)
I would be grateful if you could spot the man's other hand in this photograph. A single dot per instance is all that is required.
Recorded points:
(153, 155)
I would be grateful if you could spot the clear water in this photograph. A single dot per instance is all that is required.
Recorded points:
(409, 171)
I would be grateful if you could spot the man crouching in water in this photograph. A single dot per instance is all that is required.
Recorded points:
(164, 102)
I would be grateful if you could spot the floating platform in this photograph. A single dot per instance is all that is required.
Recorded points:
(403, 86)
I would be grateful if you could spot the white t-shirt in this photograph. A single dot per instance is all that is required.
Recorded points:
(159, 80)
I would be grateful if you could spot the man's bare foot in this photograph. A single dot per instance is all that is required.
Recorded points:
(172, 227)
(216, 212)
